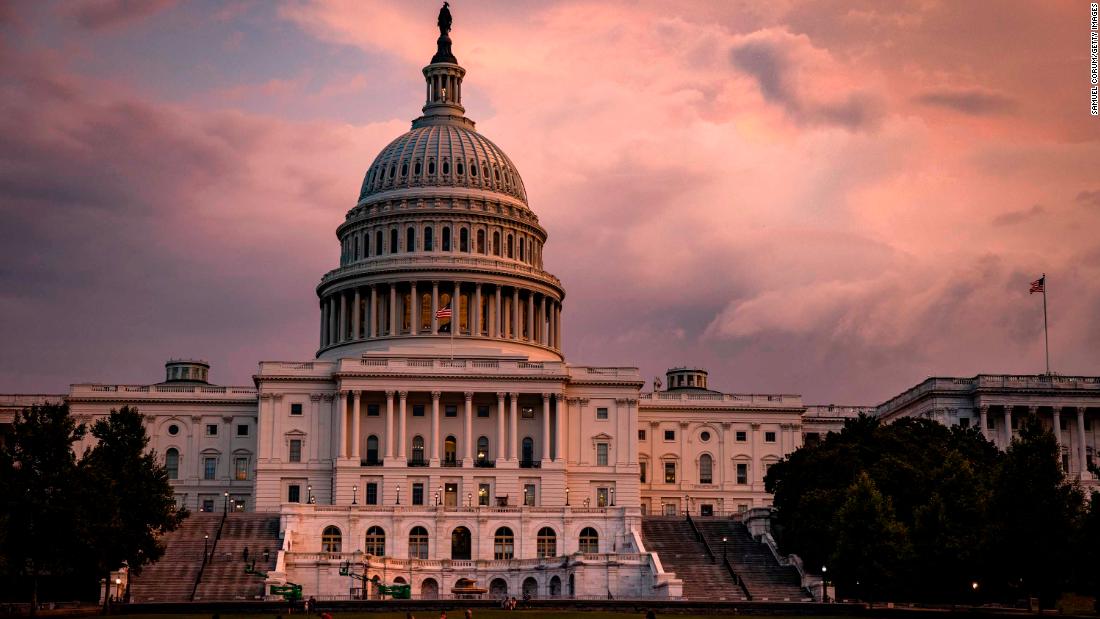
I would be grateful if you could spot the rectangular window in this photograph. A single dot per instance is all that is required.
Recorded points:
(418, 410)
(641, 435)
(211, 429)
(601, 454)
(418, 493)
(813, 438)
(706, 509)
(208, 505)
(242, 429)
(529, 495)
(964, 422)
(526, 412)
(372, 493)
(601, 413)
(296, 408)
(209, 468)
(642, 466)
(601, 497)
(295, 450)
(769, 437)
(742, 473)
(294, 493)
(670, 472)
(483, 412)
(742, 508)
(742, 436)
(483, 494)
(670, 435)
(240, 469)
(450, 411)
(372, 410)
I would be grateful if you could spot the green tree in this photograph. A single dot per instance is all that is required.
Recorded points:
(37, 486)
(129, 499)
(872, 548)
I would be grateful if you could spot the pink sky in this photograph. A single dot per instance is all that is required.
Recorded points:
(829, 198)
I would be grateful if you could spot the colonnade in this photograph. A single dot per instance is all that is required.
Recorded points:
(1079, 448)
(350, 411)
(412, 308)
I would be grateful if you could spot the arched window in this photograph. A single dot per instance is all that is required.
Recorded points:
(405, 169)
(546, 543)
(416, 168)
(330, 539)
(521, 252)
(464, 240)
(496, 174)
(428, 238)
(418, 543)
(482, 449)
(481, 241)
(504, 544)
(410, 239)
(418, 450)
(431, 167)
(393, 240)
(510, 246)
(172, 463)
(446, 238)
(375, 544)
(378, 243)
(372, 449)
(446, 167)
(706, 465)
(356, 246)
(496, 242)
(366, 244)
(643, 470)
(393, 167)
(589, 541)
(459, 168)
(528, 449)
(450, 449)
(473, 169)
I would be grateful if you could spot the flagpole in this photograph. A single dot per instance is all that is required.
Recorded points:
(453, 327)
(1046, 334)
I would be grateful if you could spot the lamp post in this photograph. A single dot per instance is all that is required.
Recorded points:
(355, 494)
(309, 494)
(225, 505)
(397, 487)
(118, 589)
(437, 498)
(724, 540)
(687, 507)
(439, 495)
(205, 543)
(567, 496)
(824, 584)
(233, 504)
(612, 497)
(974, 588)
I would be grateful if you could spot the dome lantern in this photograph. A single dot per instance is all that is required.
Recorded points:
(444, 79)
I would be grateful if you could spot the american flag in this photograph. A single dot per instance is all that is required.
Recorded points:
(1038, 285)
(443, 312)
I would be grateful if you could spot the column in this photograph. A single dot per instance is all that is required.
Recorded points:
(435, 428)
(343, 317)
(1056, 416)
(331, 320)
(456, 310)
(545, 427)
(1082, 451)
(355, 318)
(342, 411)
(387, 453)
(559, 405)
(983, 419)
(467, 439)
(402, 409)
(324, 323)
(414, 309)
(373, 311)
(515, 314)
(1008, 425)
(550, 330)
(475, 329)
(355, 428)
(542, 322)
(513, 430)
(755, 471)
(530, 316)
(393, 311)
(498, 322)
(557, 327)
(500, 452)
(435, 307)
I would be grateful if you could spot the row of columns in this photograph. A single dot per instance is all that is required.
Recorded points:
(437, 82)
(355, 397)
(1081, 448)
(350, 315)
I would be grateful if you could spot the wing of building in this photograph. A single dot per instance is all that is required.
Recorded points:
(440, 439)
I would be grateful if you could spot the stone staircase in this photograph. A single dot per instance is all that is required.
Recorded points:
(224, 577)
(762, 575)
(674, 542)
(172, 578)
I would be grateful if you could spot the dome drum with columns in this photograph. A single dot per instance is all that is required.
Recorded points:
(442, 222)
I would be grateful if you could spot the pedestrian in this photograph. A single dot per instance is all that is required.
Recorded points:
(443, 614)
(311, 605)
(469, 614)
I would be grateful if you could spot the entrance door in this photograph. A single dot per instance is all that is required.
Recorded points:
(460, 544)
(450, 495)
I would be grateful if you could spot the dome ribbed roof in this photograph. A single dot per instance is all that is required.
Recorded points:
(443, 154)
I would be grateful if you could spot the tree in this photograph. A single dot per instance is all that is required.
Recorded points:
(872, 547)
(129, 499)
(39, 506)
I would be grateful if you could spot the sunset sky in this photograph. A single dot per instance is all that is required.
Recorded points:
(830, 198)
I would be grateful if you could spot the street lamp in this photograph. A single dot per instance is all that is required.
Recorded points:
(118, 588)
(439, 496)
(309, 494)
(612, 497)
(469, 499)
(205, 542)
(724, 540)
(687, 507)
(398, 488)
(567, 496)
(355, 494)
(824, 584)
(225, 505)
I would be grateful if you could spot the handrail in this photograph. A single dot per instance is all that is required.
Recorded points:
(206, 557)
(737, 580)
(700, 538)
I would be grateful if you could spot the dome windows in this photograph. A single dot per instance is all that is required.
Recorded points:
(404, 169)
(416, 168)
(446, 238)
(511, 246)
(496, 242)
(481, 241)
(428, 231)
(378, 243)
(459, 168)
(464, 240)
(473, 169)
(431, 167)
(393, 240)
(521, 254)
(410, 239)
(393, 168)
(446, 168)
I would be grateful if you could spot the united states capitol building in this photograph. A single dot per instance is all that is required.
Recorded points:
(440, 438)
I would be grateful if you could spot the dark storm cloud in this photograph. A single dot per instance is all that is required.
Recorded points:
(100, 14)
(1014, 217)
(974, 102)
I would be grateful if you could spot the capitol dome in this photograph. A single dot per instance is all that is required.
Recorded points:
(441, 236)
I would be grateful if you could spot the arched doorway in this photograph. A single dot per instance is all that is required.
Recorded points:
(429, 589)
(460, 544)
(555, 587)
(498, 587)
(399, 580)
(530, 587)
(527, 454)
